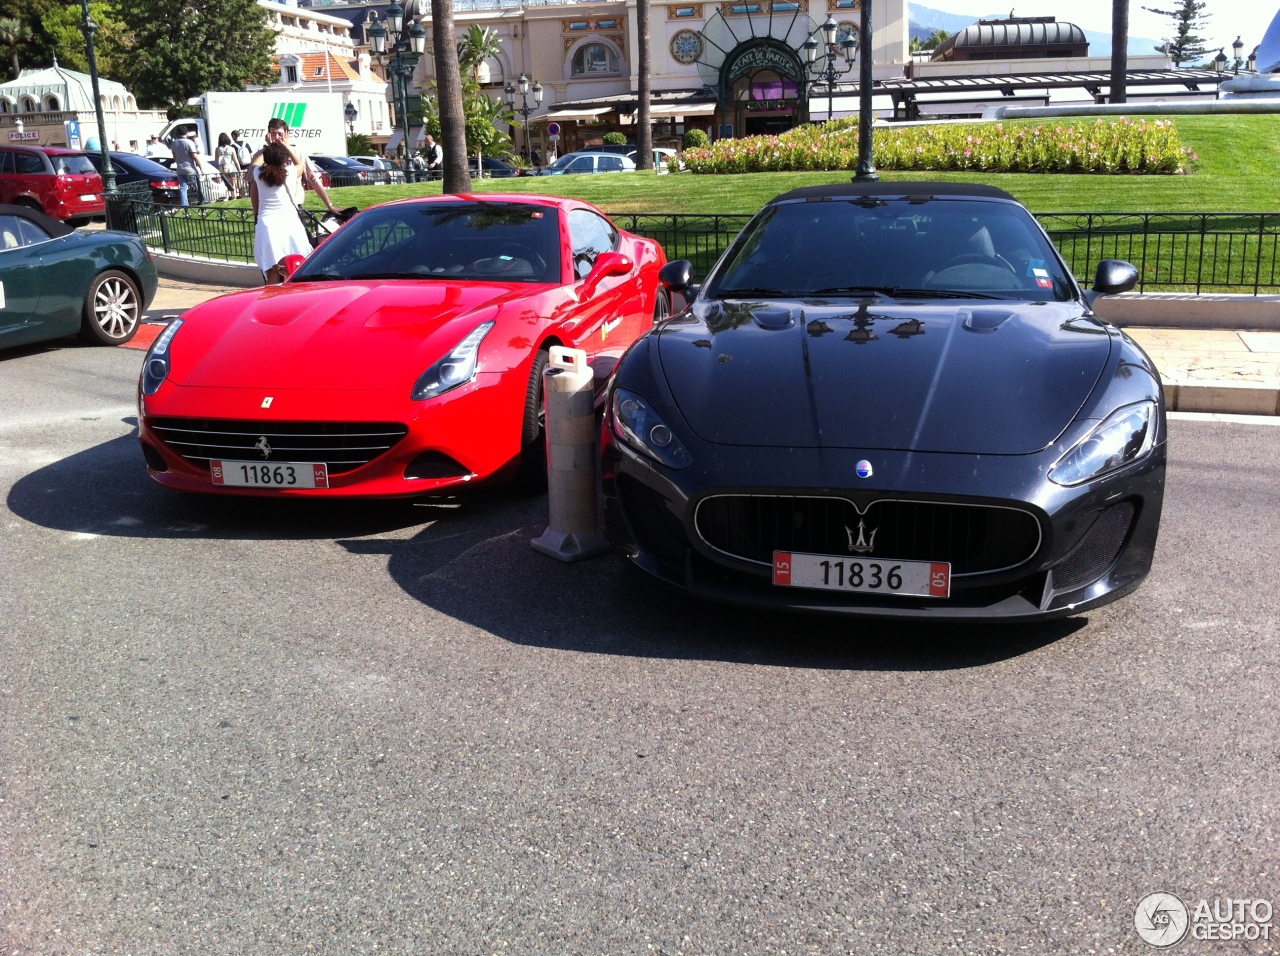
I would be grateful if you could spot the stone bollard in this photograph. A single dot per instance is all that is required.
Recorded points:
(573, 532)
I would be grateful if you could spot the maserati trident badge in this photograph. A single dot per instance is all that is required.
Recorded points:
(863, 468)
(861, 544)
(263, 446)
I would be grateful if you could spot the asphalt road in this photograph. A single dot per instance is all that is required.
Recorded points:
(242, 727)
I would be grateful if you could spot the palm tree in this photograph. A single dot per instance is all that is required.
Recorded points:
(478, 45)
(1119, 50)
(453, 119)
(13, 34)
(644, 138)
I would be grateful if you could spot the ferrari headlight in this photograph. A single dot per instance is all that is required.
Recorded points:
(456, 368)
(1122, 437)
(156, 367)
(639, 426)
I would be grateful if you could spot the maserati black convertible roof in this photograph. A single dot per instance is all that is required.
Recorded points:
(897, 189)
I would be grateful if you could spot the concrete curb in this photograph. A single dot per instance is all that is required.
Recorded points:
(240, 275)
(1227, 398)
(1182, 310)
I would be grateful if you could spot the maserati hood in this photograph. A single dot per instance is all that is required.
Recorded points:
(992, 378)
(348, 335)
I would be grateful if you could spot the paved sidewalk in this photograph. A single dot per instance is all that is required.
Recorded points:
(1203, 369)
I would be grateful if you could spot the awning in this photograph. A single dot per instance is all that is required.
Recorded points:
(417, 137)
(681, 109)
(593, 113)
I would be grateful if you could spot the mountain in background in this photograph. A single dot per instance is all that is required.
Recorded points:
(923, 21)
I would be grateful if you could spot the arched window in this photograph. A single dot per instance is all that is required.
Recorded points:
(595, 59)
(28, 105)
(116, 103)
(6, 106)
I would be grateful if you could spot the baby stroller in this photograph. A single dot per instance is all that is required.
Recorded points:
(319, 228)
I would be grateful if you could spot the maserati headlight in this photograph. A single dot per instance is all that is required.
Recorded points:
(639, 426)
(156, 367)
(456, 368)
(1122, 437)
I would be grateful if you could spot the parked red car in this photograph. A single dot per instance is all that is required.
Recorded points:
(60, 182)
(404, 357)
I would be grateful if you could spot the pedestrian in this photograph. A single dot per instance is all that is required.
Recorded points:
(279, 232)
(534, 158)
(434, 156)
(155, 148)
(227, 160)
(244, 152)
(306, 172)
(187, 163)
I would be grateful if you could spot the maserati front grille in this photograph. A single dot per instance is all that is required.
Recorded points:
(974, 539)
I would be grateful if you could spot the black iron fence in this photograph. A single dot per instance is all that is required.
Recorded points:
(1174, 252)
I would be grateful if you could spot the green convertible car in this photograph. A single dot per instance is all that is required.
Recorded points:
(56, 281)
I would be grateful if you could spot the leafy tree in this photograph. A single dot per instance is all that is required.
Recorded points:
(14, 33)
(359, 144)
(694, 138)
(185, 48)
(615, 138)
(644, 121)
(1188, 18)
(112, 42)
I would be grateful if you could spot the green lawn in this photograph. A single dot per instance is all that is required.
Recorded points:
(1236, 172)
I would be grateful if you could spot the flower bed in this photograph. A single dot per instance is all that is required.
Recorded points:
(1103, 146)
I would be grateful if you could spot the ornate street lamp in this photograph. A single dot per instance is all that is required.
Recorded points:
(89, 28)
(824, 70)
(524, 109)
(1251, 64)
(400, 67)
(1220, 61)
(352, 114)
(1236, 49)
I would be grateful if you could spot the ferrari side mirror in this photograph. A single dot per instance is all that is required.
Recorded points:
(607, 264)
(292, 264)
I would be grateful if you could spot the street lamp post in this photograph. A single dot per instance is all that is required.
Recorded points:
(400, 67)
(824, 70)
(352, 114)
(866, 166)
(1220, 61)
(1236, 49)
(524, 109)
(89, 28)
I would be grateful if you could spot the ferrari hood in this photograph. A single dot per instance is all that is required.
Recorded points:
(987, 378)
(346, 335)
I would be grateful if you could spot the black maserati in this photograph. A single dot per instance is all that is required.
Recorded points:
(889, 399)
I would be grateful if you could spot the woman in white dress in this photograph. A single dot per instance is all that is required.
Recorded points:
(279, 232)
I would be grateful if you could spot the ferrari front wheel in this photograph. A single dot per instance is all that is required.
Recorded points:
(112, 309)
(532, 476)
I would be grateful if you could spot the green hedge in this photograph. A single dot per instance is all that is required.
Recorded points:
(1103, 146)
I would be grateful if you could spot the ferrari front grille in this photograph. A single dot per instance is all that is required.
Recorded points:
(975, 539)
(342, 446)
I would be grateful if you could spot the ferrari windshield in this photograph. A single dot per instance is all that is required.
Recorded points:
(476, 241)
(904, 247)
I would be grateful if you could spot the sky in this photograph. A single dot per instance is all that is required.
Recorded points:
(1247, 19)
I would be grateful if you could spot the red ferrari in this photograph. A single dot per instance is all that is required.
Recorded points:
(403, 357)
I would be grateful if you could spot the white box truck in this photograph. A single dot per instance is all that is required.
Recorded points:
(316, 120)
